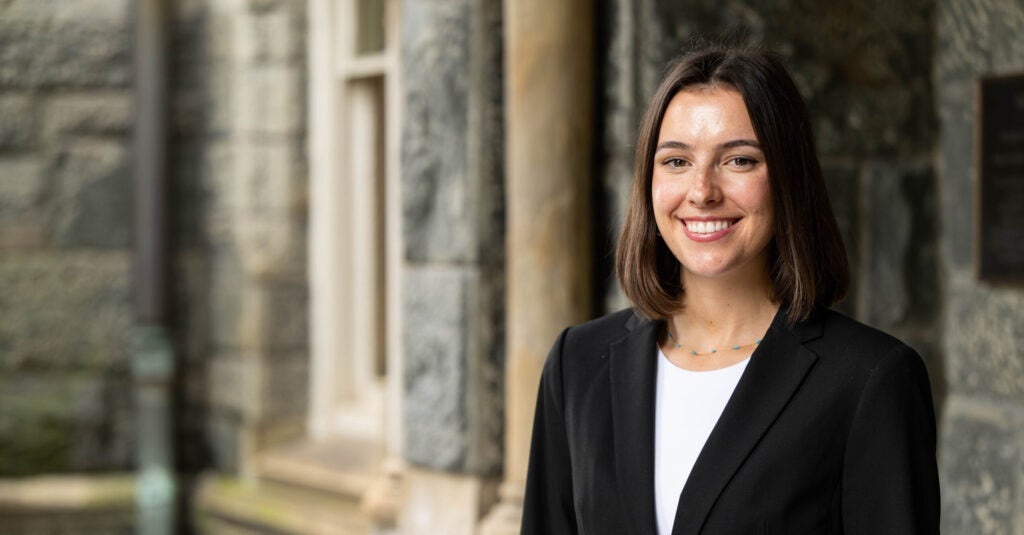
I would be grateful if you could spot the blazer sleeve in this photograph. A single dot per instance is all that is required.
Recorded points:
(548, 502)
(890, 476)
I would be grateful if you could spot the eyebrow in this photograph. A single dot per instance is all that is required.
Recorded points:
(722, 146)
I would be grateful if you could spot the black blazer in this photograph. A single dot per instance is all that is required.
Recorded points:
(831, 430)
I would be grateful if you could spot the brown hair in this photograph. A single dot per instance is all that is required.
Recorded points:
(807, 260)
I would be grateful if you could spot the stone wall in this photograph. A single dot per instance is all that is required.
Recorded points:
(237, 198)
(453, 234)
(983, 323)
(65, 236)
(239, 188)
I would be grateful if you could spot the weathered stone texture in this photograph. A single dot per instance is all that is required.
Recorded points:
(900, 280)
(983, 330)
(981, 468)
(64, 311)
(65, 10)
(437, 193)
(453, 375)
(24, 218)
(453, 234)
(57, 422)
(436, 319)
(90, 113)
(19, 122)
(94, 196)
(22, 186)
(38, 54)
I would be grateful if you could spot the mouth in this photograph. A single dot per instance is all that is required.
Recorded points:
(708, 226)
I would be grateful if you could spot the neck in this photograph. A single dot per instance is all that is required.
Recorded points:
(725, 311)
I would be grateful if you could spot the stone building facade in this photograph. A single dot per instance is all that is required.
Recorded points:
(259, 101)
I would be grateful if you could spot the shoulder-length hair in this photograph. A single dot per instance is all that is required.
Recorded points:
(807, 260)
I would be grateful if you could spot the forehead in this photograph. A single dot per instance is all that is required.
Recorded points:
(704, 111)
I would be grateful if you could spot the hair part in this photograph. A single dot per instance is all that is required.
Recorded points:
(807, 260)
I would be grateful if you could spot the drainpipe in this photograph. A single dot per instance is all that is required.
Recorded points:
(153, 365)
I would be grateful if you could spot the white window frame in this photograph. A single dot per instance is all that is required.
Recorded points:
(347, 397)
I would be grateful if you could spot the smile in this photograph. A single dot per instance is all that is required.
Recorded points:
(707, 227)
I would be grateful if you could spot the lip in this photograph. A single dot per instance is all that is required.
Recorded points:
(710, 237)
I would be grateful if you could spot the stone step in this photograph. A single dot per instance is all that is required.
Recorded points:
(345, 467)
(225, 505)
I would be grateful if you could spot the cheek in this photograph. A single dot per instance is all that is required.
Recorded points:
(664, 194)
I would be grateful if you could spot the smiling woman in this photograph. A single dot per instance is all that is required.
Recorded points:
(730, 399)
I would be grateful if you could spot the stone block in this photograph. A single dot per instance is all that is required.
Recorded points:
(62, 422)
(284, 394)
(983, 328)
(438, 196)
(66, 10)
(980, 470)
(64, 311)
(94, 196)
(435, 338)
(1007, 49)
(79, 53)
(18, 121)
(900, 282)
(227, 281)
(219, 194)
(224, 433)
(279, 34)
(957, 178)
(23, 187)
(453, 369)
(101, 114)
(285, 320)
(276, 100)
(269, 218)
(886, 296)
(201, 99)
(963, 48)
(227, 383)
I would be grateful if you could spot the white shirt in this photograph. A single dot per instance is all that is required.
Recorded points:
(687, 407)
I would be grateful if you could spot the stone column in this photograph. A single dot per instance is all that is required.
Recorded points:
(453, 270)
(549, 88)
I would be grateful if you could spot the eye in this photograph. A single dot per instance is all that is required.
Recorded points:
(742, 162)
(674, 163)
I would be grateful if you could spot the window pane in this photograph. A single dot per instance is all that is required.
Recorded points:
(369, 26)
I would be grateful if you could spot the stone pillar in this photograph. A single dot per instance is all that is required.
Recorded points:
(548, 89)
(453, 273)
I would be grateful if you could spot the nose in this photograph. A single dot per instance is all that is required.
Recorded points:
(704, 190)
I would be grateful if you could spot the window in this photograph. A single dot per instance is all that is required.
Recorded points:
(354, 220)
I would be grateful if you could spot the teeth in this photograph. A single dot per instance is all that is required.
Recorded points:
(707, 227)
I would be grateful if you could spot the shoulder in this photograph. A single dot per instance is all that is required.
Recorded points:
(606, 328)
(580, 344)
(857, 347)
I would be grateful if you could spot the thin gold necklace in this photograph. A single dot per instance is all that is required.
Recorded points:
(676, 343)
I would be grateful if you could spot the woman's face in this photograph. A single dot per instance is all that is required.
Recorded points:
(712, 201)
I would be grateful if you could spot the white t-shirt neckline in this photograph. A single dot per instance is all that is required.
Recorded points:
(688, 404)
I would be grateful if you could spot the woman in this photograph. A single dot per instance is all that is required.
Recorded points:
(729, 399)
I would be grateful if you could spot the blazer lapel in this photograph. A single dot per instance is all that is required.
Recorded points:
(633, 371)
(773, 375)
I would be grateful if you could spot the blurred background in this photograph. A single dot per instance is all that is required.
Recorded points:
(292, 266)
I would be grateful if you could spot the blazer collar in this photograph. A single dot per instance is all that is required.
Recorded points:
(773, 375)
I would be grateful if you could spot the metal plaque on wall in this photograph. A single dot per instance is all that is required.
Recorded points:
(1000, 195)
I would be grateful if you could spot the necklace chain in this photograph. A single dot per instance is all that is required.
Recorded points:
(676, 343)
